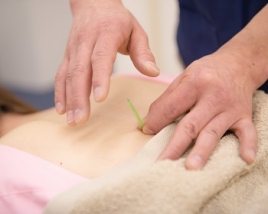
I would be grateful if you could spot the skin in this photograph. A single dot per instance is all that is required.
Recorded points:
(94, 148)
(216, 90)
(100, 29)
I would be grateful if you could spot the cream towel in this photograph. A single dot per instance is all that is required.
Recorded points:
(225, 185)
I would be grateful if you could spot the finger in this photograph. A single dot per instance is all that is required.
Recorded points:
(161, 99)
(60, 78)
(78, 86)
(175, 83)
(103, 58)
(169, 107)
(59, 88)
(140, 52)
(188, 129)
(246, 132)
(207, 140)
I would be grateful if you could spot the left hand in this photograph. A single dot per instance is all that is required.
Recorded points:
(217, 91)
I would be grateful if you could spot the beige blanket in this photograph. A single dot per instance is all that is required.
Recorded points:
(226, 184)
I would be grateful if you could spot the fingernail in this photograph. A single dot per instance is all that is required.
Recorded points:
(252, 155)
(78, 115)
(151, 66)
(59, 107)
(97, 93)
(195, 162)
(70, 117)
(145, 130)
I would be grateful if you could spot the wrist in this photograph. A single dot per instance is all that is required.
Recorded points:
(79, 4)
(251, 47)
(250, 55)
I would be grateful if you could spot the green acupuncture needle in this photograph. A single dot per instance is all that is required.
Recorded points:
(141, 123)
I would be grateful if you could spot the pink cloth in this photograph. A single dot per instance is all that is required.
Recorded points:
(28, 182)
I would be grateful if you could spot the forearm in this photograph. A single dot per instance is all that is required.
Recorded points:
(250, 47)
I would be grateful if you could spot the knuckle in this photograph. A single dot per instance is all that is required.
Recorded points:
(72, 100)
(104, 53)
(77, 70)
(212, 132)
(204, 76)
(170, 111)
(82, 36)
(191, 130)
(204, 73)
(176, 150)
(69, 77)
(98, 54)
(105, 25)
(59, 77)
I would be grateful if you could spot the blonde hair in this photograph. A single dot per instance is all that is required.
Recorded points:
(11, 103)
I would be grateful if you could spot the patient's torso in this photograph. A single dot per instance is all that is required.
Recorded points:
(109, 138)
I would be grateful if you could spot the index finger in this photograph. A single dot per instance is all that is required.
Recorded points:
(169, 107)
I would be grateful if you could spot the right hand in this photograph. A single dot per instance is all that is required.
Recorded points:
(100, 29)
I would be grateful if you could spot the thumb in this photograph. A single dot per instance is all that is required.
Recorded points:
(140, 52)
(146, 129)
(154, 121)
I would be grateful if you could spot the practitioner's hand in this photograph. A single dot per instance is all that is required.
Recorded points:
(100, 29)
(217, 93)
